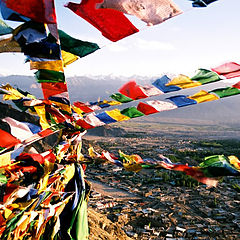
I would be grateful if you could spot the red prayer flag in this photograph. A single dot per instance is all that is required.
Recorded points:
(146, 109)
(84, 124)
(132, 90)
(237, 85)
(228, 70)
(7, 140)
(112, 23)
(83, 107)
(50, 89)
(38, 10)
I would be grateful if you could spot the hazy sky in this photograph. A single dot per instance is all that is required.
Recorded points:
(200, 37)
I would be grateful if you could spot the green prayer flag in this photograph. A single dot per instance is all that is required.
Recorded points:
(43, 75)
(215, 159)
(4, 28)
(225, 92)
(75, 46)
(132, 112)
(81, 222)
(121, 98)
(3, 179)
(205, 76)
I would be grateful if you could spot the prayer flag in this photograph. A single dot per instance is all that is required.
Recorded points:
(44, 75)
(112, 23)
(9, 14)
(131, 112)
(132, 90)
(150, 11)
(202, 3)
(7, 140)
(204, 96)
(182, 101)
(161, 105)
(237, 85)
(150, 90)
(51, 89)
(38, 10)
(75, 46)
(205, 76)
(56, 65)
(18, 129)
(183, 81)
(104, 117)
(161, 84)
(92, 120)
(120, 98)
(116, 114)
(146, 109)
(226, 92)
(228, 70)
(68, 58)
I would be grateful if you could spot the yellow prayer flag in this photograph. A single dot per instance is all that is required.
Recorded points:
(7, 213)
(15, 94)
(180, 79)
(113, 103)
(63, 106)
(77, 110)
(41, 112)
(5, 159)
(116, 115)
(49, 65)
(68, 174)
(234, 161)
(68, 58)
(203, 96)
(189, 85)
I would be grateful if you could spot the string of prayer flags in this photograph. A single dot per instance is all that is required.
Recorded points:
(111, 23)
(209, 171)
(155, 106)
(37, 10)
(75, 46)
(131, 91)
(202, 3)
(152, 12)
(228, 70)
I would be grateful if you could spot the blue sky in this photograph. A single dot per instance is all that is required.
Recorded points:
(200, 37)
